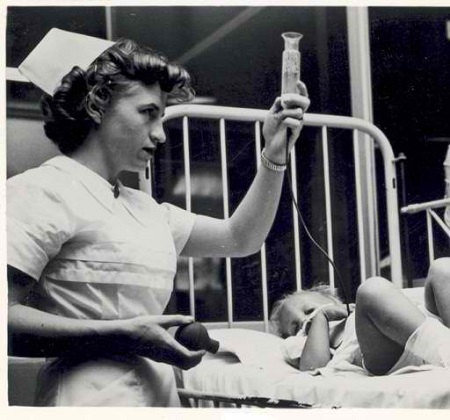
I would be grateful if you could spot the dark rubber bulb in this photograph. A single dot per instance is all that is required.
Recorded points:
(195, 337)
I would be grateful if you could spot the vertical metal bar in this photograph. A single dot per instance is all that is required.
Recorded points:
(405, 239)
(430, 237)
(298, 263)
(361, 91)
(326, 179)
(265, 297)
(359, 208)
(372, 204)
(390, 178)
(440, 222)
(224, 165)
(188, 197)
(109, 23)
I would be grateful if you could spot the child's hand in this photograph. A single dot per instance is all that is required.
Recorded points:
(336, 312)
(331, 311)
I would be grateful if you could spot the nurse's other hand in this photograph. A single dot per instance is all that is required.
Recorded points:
(150, 339)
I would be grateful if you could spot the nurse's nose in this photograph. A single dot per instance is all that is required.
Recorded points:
(157, 134)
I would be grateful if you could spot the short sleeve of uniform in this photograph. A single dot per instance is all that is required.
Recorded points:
(38, 223)
(181, 223)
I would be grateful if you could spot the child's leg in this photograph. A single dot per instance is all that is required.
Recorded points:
(385, 318)
(437, 289)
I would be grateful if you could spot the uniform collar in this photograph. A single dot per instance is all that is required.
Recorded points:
(97, 186)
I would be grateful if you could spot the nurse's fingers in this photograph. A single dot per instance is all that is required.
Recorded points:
(296, 113)
(193, 361)
(178, 355)
(276, 106)
(294, 100)
(189, 360)
(292, 123)
(157, 344)
(302, 88)
(167, 321)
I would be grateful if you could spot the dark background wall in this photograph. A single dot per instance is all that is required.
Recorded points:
(410, 55)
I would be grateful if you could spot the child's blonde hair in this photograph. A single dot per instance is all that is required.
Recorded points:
(322, 289)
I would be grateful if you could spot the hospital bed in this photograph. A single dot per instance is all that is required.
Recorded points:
(249, 369)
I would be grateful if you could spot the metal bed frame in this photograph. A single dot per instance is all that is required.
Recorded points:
(222, 115)
(191, 398)
(430, 208)
(325, 122)
(369, 132)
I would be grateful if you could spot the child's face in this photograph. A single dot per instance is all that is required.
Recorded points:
(296, 310)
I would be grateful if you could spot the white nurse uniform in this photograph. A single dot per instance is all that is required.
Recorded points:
(94, 256)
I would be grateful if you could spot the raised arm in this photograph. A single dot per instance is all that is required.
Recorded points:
(316, 353)
(245, 231)
(34, 333)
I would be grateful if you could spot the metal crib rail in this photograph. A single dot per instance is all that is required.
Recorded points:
(325, 122)
(429, 208)
(256, 116)
(237, 401)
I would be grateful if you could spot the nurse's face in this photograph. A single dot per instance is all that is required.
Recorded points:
(131, 127)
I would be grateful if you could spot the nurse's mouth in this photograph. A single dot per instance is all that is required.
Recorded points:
(149, 150)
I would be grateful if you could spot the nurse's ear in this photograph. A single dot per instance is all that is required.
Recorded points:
(94, 111)
(97, 117)
(97, 100)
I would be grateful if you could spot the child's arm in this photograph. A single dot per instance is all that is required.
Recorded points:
(316, 352)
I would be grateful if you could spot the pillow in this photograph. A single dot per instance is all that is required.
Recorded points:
(255, 348)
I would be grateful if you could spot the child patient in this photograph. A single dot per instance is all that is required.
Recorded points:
(385, 332)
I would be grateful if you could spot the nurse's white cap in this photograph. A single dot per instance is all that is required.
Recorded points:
(57, 53)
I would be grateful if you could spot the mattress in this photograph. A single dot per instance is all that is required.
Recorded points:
(250, 363)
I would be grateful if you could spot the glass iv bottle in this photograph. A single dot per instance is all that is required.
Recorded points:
(291, 62)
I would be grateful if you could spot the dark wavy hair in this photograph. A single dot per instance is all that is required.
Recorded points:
(67, 113)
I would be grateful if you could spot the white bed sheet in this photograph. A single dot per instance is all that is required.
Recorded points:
(250, 363)
(226, 375)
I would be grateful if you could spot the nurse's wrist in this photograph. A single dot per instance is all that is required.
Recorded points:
(127, 330)
(116, 336)
(132, 334)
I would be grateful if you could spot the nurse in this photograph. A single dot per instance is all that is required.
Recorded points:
(91, 262)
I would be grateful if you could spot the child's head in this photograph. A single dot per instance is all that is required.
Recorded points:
(290, 313)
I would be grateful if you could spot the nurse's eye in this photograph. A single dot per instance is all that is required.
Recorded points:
(309, 311)
(151, 113)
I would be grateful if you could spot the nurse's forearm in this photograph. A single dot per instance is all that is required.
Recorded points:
(254, 216)
(33, 333)
(246, 230)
